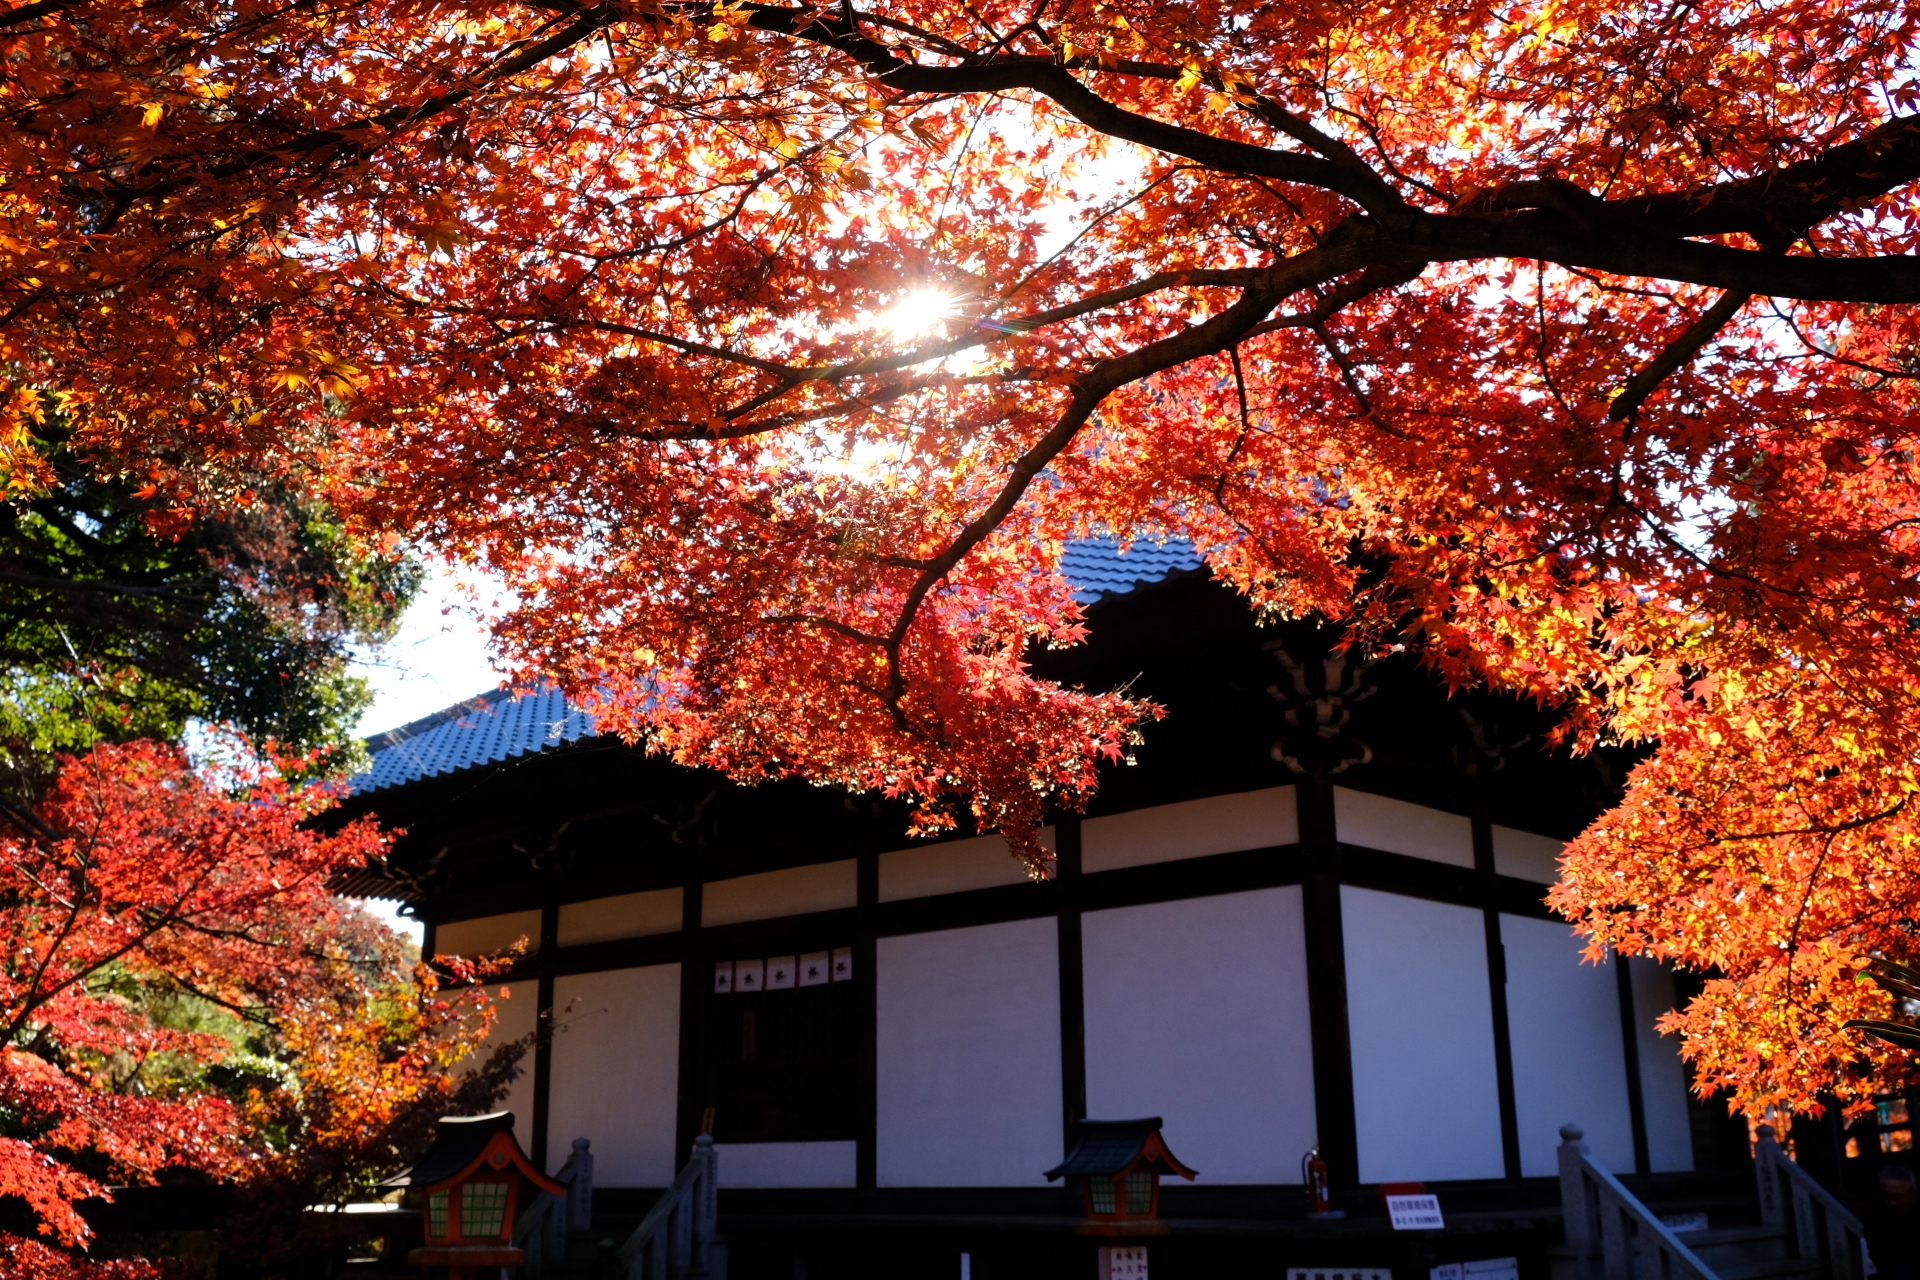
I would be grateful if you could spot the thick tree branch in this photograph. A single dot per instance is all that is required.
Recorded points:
(1386, 275)
(1339, 256)
(1456, 238)
(1779, 206)
(25, 819)
(1045, 76)
(1784, 204)
(25, 13)
(1678, 352)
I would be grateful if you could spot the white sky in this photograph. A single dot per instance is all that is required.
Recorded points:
(438, 658)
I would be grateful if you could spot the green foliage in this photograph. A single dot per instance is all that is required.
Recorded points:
(121, 619)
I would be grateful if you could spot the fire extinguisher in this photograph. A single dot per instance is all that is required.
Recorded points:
(1313, 1174)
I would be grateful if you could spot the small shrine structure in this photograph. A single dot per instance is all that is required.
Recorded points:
(1120, 1164)
(470, 1184)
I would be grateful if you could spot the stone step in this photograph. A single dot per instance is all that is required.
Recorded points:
(1723, 1247)
(1767, 1269)
(1731, 1253)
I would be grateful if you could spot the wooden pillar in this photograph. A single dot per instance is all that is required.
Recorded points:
(543, 1036)
(866, 988)
(1073, 1013)
(1497, 992)
(1327, 985)
(696, 999)
(1630, 1043)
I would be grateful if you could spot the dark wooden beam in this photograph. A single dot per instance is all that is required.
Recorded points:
(867, 995)
(1630, 1045)
(696, 997)
(1497, 995)
(1073, 1011)
(1327, 987)
(543, 1039)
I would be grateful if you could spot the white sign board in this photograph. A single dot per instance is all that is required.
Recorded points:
(1485, 1269)
(1415, 1213)
(1123, 1262)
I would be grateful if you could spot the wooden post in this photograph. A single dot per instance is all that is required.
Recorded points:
(1327, 987)
(543, 1036)
(1630, 1043)
(1073, 1017)
(1483, 864)
(696, 995)
(866, 988)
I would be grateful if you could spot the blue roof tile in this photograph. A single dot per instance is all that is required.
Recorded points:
(496, 726)
(492, 727)
(1099, 569)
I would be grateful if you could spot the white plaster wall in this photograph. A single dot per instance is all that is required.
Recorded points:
(787, 1164)
(1191, 829)
(1526, 856)
(969, 1056)
(954, 867)
(487, 934)
(616, 1072)
(517, 1010)
(1394, 826)
(1663, 1078)
(794, 891)
(1569, 1066)
(1196, 1011)
(1420, 1022)
(627, 915)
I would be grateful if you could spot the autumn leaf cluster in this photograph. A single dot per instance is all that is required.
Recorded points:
(183, 997)
(769, 355)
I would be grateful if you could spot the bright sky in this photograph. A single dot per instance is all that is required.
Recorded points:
(438, 658)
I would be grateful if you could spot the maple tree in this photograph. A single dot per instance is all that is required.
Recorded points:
(181, 993)
(769, 353)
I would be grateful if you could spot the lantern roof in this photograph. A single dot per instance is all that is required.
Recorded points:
(1107, 1147)
(461, 1144)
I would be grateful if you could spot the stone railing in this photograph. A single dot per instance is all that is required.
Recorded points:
(680, 1236)
(1818, 1227)
(1611, 1234)
(541, 1228)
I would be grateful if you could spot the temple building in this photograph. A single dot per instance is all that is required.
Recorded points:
(1307, 915)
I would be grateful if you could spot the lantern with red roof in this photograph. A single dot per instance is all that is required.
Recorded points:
(470, 1184)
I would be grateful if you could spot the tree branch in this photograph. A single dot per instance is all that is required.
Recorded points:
(1455, 238)
(27, 821)
(1336, 257)
(1678, 352)
(29, 12)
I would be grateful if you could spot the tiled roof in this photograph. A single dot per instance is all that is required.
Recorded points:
(1098, 568)
(495, 726)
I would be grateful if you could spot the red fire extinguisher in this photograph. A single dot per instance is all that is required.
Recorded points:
(1313, 1173)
